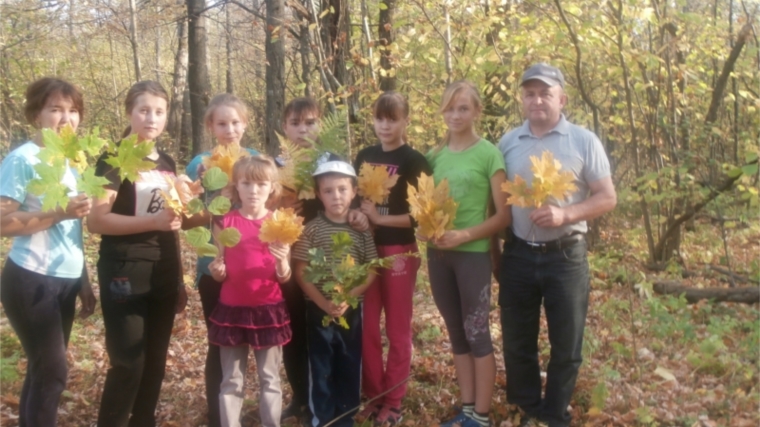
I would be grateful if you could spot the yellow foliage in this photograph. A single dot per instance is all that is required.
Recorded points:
(548, 182)
(296, 172)
(375, 182)
(224, 157)
(282, 226)
(181, 190)
(431, 206)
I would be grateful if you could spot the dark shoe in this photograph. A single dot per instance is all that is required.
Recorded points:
(529, 421)
(469, 422)
(458, 419)
(293, 410)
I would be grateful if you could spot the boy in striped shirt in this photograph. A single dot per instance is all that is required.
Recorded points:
(334, 352)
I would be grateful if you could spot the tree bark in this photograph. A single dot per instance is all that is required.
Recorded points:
(179, 84)
(385, 37)
(197, 72)
(228, 41)
(133, 39)
(275, 73)
(746, 295)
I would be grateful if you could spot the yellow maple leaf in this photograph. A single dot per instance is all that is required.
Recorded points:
(224, 157)
(520, 194)
(181, 191)
(431, 206)
(375, 182)
(548, 182)
(282, 226)
(296, 171)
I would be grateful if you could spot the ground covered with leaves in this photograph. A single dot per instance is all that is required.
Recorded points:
(649, 360)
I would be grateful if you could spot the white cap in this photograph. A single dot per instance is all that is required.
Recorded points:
(335, 166)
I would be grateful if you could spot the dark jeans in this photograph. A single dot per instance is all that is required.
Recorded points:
(41, 310)
(209, 290)
(294, 353)
(335, 366)
(560, 280)
(138, 299)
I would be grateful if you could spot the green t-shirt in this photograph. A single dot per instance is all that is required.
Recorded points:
(469, 174)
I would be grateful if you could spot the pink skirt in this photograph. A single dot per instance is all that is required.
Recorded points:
(260, 326)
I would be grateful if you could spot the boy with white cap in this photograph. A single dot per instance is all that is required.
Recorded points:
(334, 352)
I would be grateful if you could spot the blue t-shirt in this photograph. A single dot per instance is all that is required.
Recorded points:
(195, 171)
(57, 251)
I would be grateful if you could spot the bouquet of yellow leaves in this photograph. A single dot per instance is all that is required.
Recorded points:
(282, 226)
(375, 182)
(299, 163)
(432, 207)
(224, 158)
(181, 196)
(548, 182)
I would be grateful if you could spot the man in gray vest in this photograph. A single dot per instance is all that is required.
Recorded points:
(544, 260)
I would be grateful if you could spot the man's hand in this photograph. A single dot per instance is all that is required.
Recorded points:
(548, 216)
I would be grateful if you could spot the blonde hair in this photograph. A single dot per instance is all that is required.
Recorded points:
(450, 94)
(224, 100)
(256, 168)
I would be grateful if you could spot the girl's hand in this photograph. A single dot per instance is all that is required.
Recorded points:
(419, 236)
(181, 300)
(228, 191)
(337, 310)
(452, 239)
(87, 298)
(357, 220)
(218, 269)
(279, 250)
(369, 209)
(78, 207)
(167, 220)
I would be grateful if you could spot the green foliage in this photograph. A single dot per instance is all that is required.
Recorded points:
(220, 205)
(339, 274)
(198, 236)
(215, 179)
(229, 237)
(195, 206)
(128, 157)
(48, 184)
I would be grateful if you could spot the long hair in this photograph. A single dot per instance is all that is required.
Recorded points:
(140, 88)
(391, 105)
(449, 95)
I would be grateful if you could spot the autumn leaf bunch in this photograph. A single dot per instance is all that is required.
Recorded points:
(181, 197)
(224, 157)
(283, 226)
(375, 182)
(431, 206)
(548, 182)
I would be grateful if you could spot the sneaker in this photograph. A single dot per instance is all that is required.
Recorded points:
(388, 416)
(369, 412)
(458, 419)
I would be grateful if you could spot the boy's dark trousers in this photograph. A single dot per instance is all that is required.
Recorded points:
(335, 360)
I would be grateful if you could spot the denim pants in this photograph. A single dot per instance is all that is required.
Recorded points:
(335, 365)
(41, 310)
(560, 280)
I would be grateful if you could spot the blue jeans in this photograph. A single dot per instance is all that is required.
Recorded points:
(335, 366)
(560, 280)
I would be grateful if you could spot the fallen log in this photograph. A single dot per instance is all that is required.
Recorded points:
(746, 295)
(737, 277)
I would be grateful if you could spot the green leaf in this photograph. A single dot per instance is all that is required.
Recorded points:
(207, 250)
(48, 186)
(734, 173)
(128, 158)
(220, 205)
(194, 206)
(92, 185)
(342, 322)
(750, 156)
(749, 170)
(229, 237)
(215, 179)
(198, 236)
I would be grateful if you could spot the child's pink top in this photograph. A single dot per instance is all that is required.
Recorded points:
(251, 276)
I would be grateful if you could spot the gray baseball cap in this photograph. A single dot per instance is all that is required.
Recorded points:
(544, 72)
(335, 166)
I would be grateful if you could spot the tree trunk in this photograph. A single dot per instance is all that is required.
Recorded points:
(229, 49)
(385, 37)
(197, 72)
(746, 295)
(179, 85)
(133, 39)
(275, 73)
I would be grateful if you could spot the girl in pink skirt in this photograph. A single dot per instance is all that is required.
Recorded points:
(251, 310)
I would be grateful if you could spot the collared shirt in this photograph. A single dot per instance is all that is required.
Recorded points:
(577, 149)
